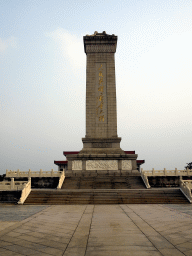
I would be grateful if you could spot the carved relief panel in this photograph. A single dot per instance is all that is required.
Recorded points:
(102, 165)
(126, 165)
(76, 165)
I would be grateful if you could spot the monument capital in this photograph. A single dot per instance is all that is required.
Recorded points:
(100, 42)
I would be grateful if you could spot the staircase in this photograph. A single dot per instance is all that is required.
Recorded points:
(106, 196)
(104, 182)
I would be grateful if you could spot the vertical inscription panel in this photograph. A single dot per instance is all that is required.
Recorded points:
(101, 93)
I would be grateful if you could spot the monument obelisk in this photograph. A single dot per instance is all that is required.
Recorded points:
(101, 114)
(101, 145)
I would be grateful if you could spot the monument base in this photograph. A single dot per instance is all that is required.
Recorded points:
(102, 162)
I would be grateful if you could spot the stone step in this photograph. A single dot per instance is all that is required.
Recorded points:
(161, 196)
(103, 182)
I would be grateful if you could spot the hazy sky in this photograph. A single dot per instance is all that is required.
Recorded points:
(42, 79)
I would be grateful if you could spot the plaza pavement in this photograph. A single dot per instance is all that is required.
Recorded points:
(94, 230)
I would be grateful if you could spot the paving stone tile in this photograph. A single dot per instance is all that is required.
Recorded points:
(30, 245)
(52, 251)
(7, 212)
(38, 234)
(20, 249)
(52, 244)
(79, 241)
(2, 250)
(119, 242)
(160, 242)
(62, 239)
(29, 238)
(176, 240)
(188, 253)
(14, 234)
(121, 248)
(6, 224)
(123, 253)
(75, 251)
(7, 238)
(171, 252)
(22, 230)
(41, 254)
(184, 246)
(4, 243)
(5, 252)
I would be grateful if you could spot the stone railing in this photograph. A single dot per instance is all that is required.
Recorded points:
(12, 185)
(165, 172)
(189, 183)
(18, 173)
(185, 187)
(25, 192)
(145, 180)
(61, 180)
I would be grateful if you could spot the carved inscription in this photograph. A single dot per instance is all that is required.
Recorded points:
(101, 98)
(102, 165)
(126, 165)
(101, 145)
(76, 165)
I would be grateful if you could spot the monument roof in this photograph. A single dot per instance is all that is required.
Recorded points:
(100, 34)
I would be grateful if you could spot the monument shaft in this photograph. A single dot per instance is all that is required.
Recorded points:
(101, 112)
(101, 116)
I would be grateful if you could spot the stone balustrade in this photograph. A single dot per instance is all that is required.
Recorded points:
(145, 179)
(185, 187)
(61, 180)
(25, 192)
(189, 183)
(12, 185)
(165, 172)
(41, 173)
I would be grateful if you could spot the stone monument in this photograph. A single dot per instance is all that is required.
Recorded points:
(101, 145)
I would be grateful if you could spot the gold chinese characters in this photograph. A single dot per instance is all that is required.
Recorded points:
(100, 98)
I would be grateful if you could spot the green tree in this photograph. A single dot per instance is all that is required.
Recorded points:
(189, 166)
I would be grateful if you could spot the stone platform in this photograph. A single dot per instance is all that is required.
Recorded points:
(89, 230)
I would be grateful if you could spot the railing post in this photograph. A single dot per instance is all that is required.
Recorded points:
(51, 172)
(176, 172)
(7, 172)
(17, 172)
(165, 173)
(153, 172)
(12, 183)
(29, 173)
(40, 173)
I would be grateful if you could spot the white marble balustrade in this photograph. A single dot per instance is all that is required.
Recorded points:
(165, 172)
(41, 173)
(12, 185)
(185, 187)
(25, 192)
